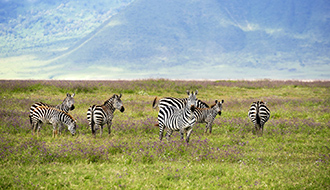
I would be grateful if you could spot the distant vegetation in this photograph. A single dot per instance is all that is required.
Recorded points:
(27, 26)
(293, 152)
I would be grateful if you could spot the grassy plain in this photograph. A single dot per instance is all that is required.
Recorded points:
(293, 152)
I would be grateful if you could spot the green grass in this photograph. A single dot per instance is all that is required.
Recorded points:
(293, 152)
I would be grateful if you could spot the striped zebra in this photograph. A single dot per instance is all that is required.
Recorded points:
(179, 103)
(56, 117)
(98, 115)
(259, 115)
(66, 105)
(176, 119)
(207, 115)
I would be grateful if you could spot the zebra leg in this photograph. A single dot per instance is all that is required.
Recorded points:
(54, 129)
(109, 127)
(60, 128)
(38, 127)
(168, 134)
(255, 129)
(210, 127)
(93, 129)
(101, 130)
(188, 134)
(210, 123)
(258, 129)
(182, 132)
(206, 128)
(34, 127)
(161, 130)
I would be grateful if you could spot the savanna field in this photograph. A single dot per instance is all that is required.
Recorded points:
(292, 153)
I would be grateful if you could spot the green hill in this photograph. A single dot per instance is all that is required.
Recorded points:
(200, 39)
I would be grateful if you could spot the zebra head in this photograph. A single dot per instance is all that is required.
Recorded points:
(69, 101)
(72, 127)
(118, 104)
(192, 100)
(218, 106)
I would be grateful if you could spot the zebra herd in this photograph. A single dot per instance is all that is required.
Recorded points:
(175, 114)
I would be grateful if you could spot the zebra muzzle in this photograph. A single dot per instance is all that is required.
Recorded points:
(219, 112)
(72, 107)
(122, 109)
(192, 108)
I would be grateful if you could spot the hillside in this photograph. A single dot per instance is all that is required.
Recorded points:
(200, 39)
(30, 26)
(168, 38)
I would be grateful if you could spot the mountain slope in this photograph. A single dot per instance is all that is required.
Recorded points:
(205, 39)
(30, 26)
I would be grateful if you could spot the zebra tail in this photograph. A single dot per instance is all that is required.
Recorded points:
(92, 120)
(155, 103)
(30, 119)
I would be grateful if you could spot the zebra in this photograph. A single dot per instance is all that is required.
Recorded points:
(66, 105)
(179, 103)
(259, 115)
(207, 115)
(176, 119)
(98, 115)
(56, 117)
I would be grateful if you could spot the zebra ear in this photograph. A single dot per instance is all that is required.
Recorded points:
(188, 92)
(120, 95)
(216, 101)
(67, 94)
(196, 92)
(73, 95)
(222, 101)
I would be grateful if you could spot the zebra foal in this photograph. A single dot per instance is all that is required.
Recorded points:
(259, 115)
(56, 117)
(181, 120)
(207, 115)
(66, 105)
(98, 115)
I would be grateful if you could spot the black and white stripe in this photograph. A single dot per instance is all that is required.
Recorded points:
(166, 102)
(207, 115)
(98, 115)
(176, 102)
(56, 117)
(66, 105)
(176, 119)
(259, 115)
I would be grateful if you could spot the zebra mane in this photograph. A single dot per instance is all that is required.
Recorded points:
(202, 103)
(47, 105)
(68, 115)
(40, 107)
(110, 99)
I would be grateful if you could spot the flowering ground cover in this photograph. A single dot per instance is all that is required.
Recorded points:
(293, 152)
